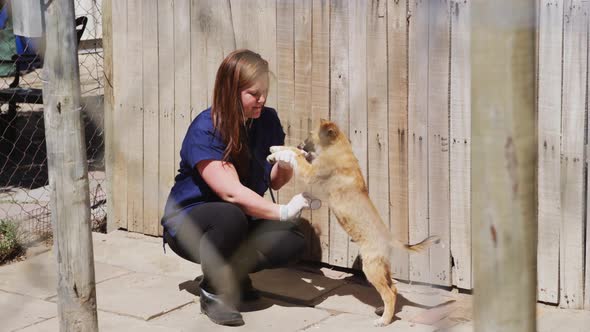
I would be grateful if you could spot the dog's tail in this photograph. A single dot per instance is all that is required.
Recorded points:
(418, 247)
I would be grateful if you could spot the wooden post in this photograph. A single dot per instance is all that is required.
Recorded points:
(109, 104)
(68, 172)
(503, 165)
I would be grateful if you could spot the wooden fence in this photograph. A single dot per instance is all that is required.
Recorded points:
(394, 75)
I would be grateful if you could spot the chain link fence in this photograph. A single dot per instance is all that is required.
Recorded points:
(24, 190)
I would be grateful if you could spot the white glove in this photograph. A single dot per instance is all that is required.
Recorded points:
(285, 159)
(299, 202)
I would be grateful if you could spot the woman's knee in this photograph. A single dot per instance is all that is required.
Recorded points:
(227, 228)
(297, 242)
(289, 246)
(233, 219)
(220, 216)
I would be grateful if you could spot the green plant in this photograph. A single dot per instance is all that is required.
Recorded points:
(10, 245)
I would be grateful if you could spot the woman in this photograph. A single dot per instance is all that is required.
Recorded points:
(215, 214)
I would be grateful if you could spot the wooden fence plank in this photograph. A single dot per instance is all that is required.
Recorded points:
(119, 192)
(200, 93)
(182, 80)
(376, 92)
(549, 127)
(357, 92)
(397, 16)
(418, 136)
(438, 140)
(167, 168)
(119, 16)
(320, 104)
(109, 111)
(215, 20)
(255, 28)
(302, 104)
(134, 117)
(587, 269)
(460, 145)
(572, 143)
(151, 137)
(286, 80)
(339, 108)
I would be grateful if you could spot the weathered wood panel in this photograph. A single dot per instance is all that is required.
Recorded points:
(377, 93)
(397, 54)
(357, 92)
(119, 144)
(286, 80)
(165, 69)
(301, 116)
(339, 107)
(549, 54)
(320, 107)
(438, 140)
(151, 106)
(418, 136)
(134, 114)
(575, 50)
(460, 145)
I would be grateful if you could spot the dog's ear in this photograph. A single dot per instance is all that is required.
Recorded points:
(323, 121)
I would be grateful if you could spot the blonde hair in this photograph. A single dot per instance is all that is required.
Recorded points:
(239, 70)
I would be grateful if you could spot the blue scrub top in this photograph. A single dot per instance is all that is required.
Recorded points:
(202, 142)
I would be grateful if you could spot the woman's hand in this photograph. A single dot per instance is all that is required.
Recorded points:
(292, 210)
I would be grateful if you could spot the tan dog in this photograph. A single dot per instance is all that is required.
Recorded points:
(335, 170)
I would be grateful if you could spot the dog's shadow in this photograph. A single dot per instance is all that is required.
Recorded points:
(357, 286)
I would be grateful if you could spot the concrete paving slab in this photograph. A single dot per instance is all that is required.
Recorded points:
(18, 311)
(141, 253)
(363, 300)
(352, 322)
(463, 313)
(424, 295)
(295, 285)
(142, 295)
(564, 320)
(107, 322)
(463, 327)
(37, 276)
(351, 298)
(261, 316)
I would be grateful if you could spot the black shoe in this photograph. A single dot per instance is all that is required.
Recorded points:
(218, 310)
(248, 292)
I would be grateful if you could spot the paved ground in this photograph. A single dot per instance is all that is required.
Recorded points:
(141, 289)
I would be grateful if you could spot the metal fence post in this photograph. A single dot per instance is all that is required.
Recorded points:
(68, 172)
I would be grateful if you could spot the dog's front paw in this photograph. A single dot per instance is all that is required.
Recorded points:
(378, 322)
(277, 148)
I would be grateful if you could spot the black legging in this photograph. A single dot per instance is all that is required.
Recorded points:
(216, 233)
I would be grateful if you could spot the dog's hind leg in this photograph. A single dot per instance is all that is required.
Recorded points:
(378, 273)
